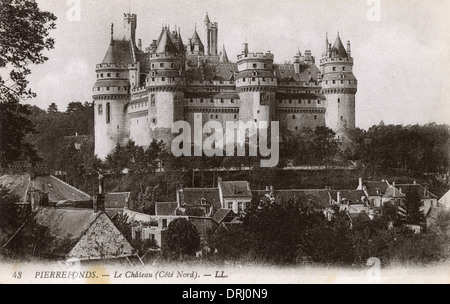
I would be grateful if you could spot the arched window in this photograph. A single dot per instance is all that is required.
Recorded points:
(100, 109)
(108, 113)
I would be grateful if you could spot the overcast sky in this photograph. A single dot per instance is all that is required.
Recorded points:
(402, 62)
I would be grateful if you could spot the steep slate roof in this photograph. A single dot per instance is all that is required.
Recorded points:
(196, 40)
(359, 217)
(194, 196)
(235, 188)
(339, 48)
(117, 200)
(163, 208)
(17, 185)
(223, 56)
(354, 197)
(165, 43)
(119, 51)
(286, 72)
(56, 233)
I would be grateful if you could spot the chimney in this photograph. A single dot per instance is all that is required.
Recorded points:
(101, 183)
(349, 52)
(393, 184)
(338, 197)
(140, 44)
(414, 183)
(360, 184)
(99, 202)
(267, 188)
(245, 48)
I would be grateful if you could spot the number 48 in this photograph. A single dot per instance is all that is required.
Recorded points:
(17, 275)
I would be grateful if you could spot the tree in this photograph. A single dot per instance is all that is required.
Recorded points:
(182, 239)
(413, 204)
(52, 108)
(24, 35)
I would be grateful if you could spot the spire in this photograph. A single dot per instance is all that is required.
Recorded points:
(207, 19)
(326, 46)
(112, 32)
(223, 56)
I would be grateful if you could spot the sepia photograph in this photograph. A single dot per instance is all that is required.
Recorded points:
(224, 142)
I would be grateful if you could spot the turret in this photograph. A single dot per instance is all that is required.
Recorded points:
(130, 25)
(339, 86)
(256, 84)
(212, 36)
(297, 62)
(166, 87)
(110, 93)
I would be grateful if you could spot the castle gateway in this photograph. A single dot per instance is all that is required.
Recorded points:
(140, 92)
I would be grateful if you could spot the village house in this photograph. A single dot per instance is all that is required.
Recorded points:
(71, 233)
(235, 195)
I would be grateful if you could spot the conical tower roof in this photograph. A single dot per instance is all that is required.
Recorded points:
(207, 19)
(339, 49)
(110, 56)
(165, 44)
(196, 40)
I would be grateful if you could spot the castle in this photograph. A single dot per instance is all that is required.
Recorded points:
(140, 93)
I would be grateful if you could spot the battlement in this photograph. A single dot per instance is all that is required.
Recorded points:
(327, 60)
(164, 56)
(139, 89)
(257, 55)
(112, 66)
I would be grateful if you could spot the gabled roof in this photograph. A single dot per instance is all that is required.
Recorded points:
(195, 40)
(119, 51)
(235, 189)
(223, 56)
(194, 196)
(117, 200)
(70, 233)
(222, 214)
(163, 208)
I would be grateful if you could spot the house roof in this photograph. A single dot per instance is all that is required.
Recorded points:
(235, 189)
(119, 51)
(393, 192)
(193, 197)
(375, 188)
(57, 230)
(423, 192)
(353, 197)
(445, 199)
(117, 200)
(57, 190)
(163, 208)
(319, 198)
(221, 214)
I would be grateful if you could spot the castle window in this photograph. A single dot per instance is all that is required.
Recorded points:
(243, 79)
(319, 102)
(265, 65)
(100, 109)
(97, 75)
(326, 81)
(108, 75)
(235, 116)
(343, 68)
(222, 101)
(309, 101)
(211, 116)
(339, 100)
(232, 100)
(253, 79)
(172, 65)
(154, 120)
(101, 75)
(315, 116)
(296, 128)
(342, 118)
(211, 100)
(152, 100)
(201, 100)
(163, 79)
(334, 81)
(334, 69)
(153, 65)
(176, 97)
(264, 78)
(342, 81)
(117, 74)
(161, 65)
(108, 113)
(153, 79)
(255, 65)
(290, 101)
(107, 88)
(293, 116)
(217, 116)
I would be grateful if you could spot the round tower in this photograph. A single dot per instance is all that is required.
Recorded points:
(110, 94)
(256, 85)
(166, 88)
(339, 86)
